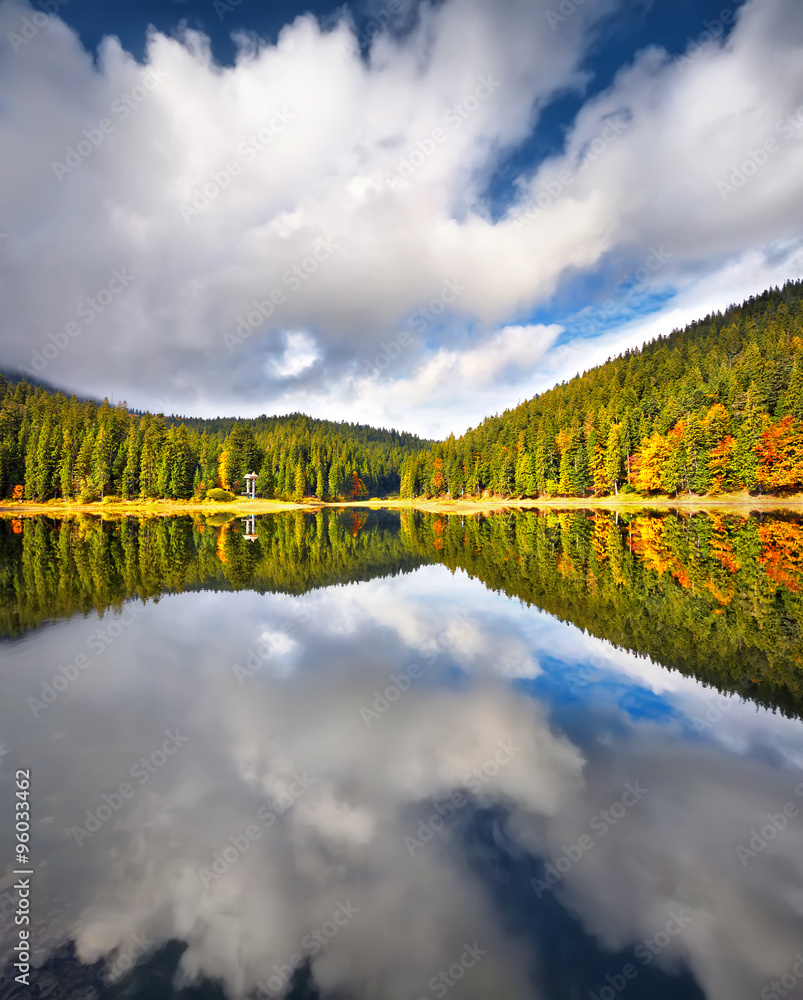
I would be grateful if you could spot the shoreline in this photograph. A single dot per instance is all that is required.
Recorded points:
(150, 508)
(689, 504)
(734, 503)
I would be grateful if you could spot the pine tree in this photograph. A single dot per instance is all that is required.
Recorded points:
(674, 472)
(300, 484)
(337, 481)
(83, 467)
(153, 442)
(182, 466)
(793, 398)
(526, 485)
(129, 486)
(266, 483)
(320, 484)
(614, 466)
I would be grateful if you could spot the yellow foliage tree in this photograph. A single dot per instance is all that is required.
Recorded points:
(222, 479)
(647, 467)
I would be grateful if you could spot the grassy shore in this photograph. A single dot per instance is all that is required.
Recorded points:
(152, 508)
(732, 502)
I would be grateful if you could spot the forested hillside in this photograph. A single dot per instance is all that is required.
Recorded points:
(716, 407)
(52, 447)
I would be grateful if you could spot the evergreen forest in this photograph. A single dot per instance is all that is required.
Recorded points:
(714, 408)
(54, 447)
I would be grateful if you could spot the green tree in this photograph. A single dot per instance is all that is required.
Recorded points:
(614, 466)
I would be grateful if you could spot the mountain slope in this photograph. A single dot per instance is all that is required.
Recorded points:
(715, 407)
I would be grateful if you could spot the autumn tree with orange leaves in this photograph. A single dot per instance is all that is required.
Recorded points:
(780, 455)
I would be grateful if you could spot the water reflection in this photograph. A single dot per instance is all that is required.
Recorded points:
(412, 784)
(717, 597)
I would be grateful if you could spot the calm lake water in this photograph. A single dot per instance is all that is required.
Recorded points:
(373, 756)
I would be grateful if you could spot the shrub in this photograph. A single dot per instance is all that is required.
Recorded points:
(216, 520)
(220, 496)
(87, 493)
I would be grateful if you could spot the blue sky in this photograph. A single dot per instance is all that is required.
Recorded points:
(638, 23)
(400, 213)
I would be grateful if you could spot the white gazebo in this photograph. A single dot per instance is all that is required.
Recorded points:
(251, 485)
(250, 528)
